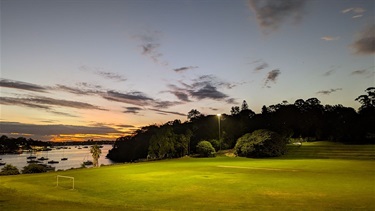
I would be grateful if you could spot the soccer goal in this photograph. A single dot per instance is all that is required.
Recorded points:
(65, 181)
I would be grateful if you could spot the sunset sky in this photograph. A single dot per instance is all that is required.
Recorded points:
(83, 69)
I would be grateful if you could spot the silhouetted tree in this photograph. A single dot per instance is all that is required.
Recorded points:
(235, 110)
(244, 106)
(194, 114)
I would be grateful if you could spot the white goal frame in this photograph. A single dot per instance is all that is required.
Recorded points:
(57, 180)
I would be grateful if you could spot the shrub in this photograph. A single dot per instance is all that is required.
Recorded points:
(9, 170)
(261, 143)
(215, 144)
(34, 168)
(205, 149)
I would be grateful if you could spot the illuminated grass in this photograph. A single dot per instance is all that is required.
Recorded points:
(221, 183)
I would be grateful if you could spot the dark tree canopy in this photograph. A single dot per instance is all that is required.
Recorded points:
(304, 119)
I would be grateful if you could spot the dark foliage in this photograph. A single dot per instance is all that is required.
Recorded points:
(12, 145)
(9, 170)
(34, 168)
(261, 143)
(205, 149)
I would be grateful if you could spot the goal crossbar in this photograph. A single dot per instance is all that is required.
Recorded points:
(67, 177)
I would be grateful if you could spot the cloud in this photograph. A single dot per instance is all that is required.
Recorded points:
(63, 103)
(21, 102)
(167, 112)
(203, 87)
(270, 14)
(22, 85)
(132, 110)
(125, 126)
(112, 76)
(133, 98)
(359, 72)
(207, 91)
(329, 72)
(182, 69)
(261, 67)
(328, 92)
(365, 42)
(356, 12)
(73, 90)
(272, 76)
(365, 72)
(329, 38)
(53, 129)
(104, 74)
(26, 103)
(165, 104)
(46, 102)
(150, 46)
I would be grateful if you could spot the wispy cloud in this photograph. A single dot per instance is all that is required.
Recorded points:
(22, 85)
(330, 38)
(46, 102)
(165, 104)
(132, 110)
(203, 87)
(328, 92)
(370, 72)
(333, 69)
(183, 69)
(270, 14)
(359, 72)
(133, 98)
(355, 12)
(53, 129)
(125, 126)
(260, 67)
(271, 77)
(163, 112)
(365, 42)
(112, 76)
(26, 103)
(74, 90)
(103, 73)
(150, 46)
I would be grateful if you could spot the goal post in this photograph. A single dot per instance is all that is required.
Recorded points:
(60, 177)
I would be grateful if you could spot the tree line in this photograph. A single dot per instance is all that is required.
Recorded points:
(304, 120)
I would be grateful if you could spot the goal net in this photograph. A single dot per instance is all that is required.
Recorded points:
(65, 182)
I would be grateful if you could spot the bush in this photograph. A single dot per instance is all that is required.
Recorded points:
(260, 143)
(205, 149)
(34, 168)
(215, 144)
(9, 170)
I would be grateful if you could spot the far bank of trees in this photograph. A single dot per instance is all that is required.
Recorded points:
(304, 119)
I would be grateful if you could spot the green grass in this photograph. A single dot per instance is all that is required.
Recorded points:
(316, 176)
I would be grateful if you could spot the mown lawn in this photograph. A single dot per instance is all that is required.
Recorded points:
(341, 180)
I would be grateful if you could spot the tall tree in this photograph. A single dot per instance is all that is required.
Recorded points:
(367, 101)
(95, 152)
(244, 106)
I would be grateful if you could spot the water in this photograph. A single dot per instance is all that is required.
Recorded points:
(75, 157)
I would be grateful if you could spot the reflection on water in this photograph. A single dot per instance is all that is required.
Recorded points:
(74, 154)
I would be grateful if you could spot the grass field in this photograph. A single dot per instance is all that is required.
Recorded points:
(316, 176)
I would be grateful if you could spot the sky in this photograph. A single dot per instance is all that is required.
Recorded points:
(101, 69)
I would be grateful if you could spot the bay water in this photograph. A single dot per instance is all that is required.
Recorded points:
(76, 156)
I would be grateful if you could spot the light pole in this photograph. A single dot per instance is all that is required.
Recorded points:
(218, 117)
